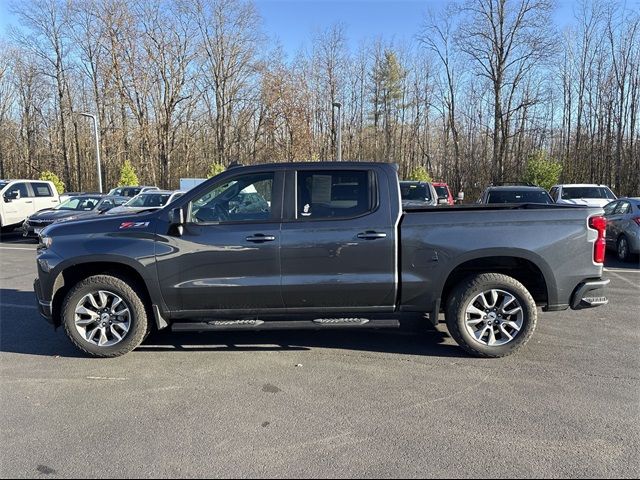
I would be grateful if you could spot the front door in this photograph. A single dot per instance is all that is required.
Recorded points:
(339, 250)
(19, 208)
(228, 257)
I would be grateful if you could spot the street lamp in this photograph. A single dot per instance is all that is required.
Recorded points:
(97, 137)
(338, 105)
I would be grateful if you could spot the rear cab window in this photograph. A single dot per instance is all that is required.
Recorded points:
(334, 194)
(572, 193)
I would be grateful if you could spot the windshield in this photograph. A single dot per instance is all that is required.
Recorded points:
(442, 192)
(150, 200)
(571, 193)
(79, 203)
(415, 192)
(514, 196)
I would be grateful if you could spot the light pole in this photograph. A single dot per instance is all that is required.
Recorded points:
(97, 137)
(338, 105)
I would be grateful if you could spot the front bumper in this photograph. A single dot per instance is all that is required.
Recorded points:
(44, 307)
(590, 294)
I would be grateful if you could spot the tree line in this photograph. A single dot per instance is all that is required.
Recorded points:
(181, 85)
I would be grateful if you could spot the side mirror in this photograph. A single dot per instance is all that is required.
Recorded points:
(13, 195)
(176, 219)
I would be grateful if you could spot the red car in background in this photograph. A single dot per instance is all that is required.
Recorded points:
(444, 192)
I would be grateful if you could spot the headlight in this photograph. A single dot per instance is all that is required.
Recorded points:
(45, 242)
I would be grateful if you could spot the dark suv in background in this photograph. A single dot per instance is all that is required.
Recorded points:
(515, 194)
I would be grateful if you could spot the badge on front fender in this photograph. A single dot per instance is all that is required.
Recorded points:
(128, 225)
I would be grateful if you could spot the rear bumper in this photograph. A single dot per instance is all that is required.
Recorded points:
(590, 294)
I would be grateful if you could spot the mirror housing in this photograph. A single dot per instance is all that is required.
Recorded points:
(13, 195)
(176, 220)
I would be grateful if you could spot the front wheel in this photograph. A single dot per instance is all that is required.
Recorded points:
(104, 317)
(491, 315)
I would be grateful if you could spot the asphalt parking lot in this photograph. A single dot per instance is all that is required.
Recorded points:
(327, 404)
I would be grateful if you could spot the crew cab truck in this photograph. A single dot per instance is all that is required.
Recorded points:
(317, 246)
(21, 198)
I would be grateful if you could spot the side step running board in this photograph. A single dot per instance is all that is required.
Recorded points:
(316, 324)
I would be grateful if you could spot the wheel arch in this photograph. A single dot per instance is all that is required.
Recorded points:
(536, 276)
(71, 274)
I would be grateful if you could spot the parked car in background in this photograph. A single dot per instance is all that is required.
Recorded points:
(444, 192)
(623, 227)
(80, 206)
(67, 195)
(515, 194)
(130, 191)
(590, 195)
(188, 183)
(418, 194)
(21, 198)
(149, 200)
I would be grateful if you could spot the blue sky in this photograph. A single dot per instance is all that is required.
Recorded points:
(294, 22)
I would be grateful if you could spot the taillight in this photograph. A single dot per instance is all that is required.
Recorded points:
(599, 224)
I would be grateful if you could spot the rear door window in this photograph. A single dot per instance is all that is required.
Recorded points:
(334, 194)
(42, 190)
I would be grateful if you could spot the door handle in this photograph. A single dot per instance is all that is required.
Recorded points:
(370, 235)
(259, 238)
(28, 201)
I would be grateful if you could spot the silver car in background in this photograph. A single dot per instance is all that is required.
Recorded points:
(147, 201)
(418, 194)
(623, 227)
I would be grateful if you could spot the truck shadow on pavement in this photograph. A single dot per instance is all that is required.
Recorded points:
(426, 343)
(23, 331)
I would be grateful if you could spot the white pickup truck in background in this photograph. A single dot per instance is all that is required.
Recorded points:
(21, 198)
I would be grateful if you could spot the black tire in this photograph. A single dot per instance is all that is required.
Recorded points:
(623, 253)
(461, 298)
(139, 325)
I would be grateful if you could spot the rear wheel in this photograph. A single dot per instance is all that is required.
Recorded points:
(491, 315)
(104, 317)
(622, 249)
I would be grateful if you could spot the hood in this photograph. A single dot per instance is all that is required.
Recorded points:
(587, 202)
(101, 224)
(122, 210)
(53, 215)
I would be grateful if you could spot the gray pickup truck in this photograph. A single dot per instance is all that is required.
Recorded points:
(317, 246)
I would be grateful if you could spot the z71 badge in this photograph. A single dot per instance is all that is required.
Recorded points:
(127, 225)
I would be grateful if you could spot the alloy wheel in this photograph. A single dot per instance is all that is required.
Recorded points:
(494, 317)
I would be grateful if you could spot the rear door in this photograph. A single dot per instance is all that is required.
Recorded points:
(44, 196)
(228, 257)
(338, 244)
(616, 221)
